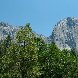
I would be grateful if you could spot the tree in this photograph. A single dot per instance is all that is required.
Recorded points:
(28, 51)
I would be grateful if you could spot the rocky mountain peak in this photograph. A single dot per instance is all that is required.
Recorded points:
(4, 24)
(65, 34)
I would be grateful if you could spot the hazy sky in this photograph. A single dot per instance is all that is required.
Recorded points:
(42, 14)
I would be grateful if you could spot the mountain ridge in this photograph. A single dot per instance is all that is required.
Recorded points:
(64, 34)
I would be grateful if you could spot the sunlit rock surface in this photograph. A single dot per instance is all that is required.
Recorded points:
(65, 34)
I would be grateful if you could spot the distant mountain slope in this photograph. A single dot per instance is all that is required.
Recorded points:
(65, 34)
(6, 29)
(46, 39)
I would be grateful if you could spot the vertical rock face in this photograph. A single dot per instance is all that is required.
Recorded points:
(65, 34)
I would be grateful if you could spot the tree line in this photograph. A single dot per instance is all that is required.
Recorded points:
(30, 57)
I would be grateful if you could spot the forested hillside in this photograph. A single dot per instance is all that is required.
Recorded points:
(30, 57)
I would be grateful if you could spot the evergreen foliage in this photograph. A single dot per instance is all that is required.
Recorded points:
(31, 57)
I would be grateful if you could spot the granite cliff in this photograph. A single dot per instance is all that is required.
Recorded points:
(65, 34)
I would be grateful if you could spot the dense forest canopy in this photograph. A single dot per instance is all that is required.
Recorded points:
(30, 57)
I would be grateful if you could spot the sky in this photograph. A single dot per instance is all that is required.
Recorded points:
(41, 14)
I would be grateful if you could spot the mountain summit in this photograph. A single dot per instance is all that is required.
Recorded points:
(65, 34)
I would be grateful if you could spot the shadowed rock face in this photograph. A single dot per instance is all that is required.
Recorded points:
(65, 34)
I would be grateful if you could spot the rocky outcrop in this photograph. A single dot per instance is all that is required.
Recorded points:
(6, 29)
(65, 34)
